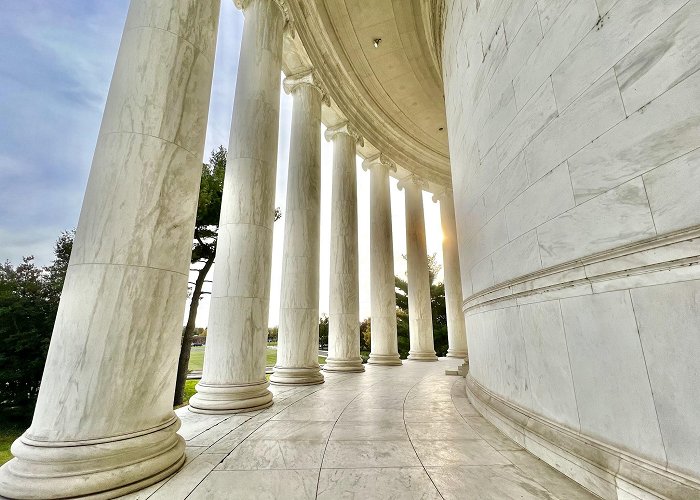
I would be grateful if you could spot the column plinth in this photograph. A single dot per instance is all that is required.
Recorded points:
(419, 310)
(382, 283)
(297, 347)
(233, 379)
(344, 317)
(456, 329)
(104, 425)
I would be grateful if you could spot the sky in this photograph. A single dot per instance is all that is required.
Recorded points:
(56, 62)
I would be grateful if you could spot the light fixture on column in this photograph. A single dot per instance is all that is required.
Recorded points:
(376, 42)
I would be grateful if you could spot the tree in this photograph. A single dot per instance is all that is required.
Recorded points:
(29, 298)
(366, 336)
(323, 331)
(437, 306)
(203, 253)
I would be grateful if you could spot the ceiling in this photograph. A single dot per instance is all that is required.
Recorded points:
(391, 93)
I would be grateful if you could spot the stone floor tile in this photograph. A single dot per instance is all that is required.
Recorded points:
(550, 478)
(486, 483)
(362, 454)
(181, 484)
(491, 434)
(275, 454)
(257, 485)
(388, 415)
(433, 415)
(406, 483)
(213, 434)
(457, 452)
(369, 430)
(293, 430)
(446, 431)
(306, 413)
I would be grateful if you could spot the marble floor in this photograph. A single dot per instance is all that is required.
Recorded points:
(392, 432)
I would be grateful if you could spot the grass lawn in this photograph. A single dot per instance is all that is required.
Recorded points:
(197, 358)
(7, 436)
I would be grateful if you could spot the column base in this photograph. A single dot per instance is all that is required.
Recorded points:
(452, 353)
(384, 359)
(283, 375)
(343, 365)
(95, 469)
(422, 356)
(223, 399)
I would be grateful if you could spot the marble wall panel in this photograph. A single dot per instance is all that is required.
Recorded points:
(668, 317)
(617, 217)
(520, 256)
(517, 13)
(512, 356)
(626, 24)
(549, 12)
(577, 19)
(595, 112)
(529, 122)
(510, 183)
(519, 49)
(492, 237)
(551, 383)
(665, 129)
(677, 180)
(610, 378)
(666, 57)
(544, 200)
(482, 275)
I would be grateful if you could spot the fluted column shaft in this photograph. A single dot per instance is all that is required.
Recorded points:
(382, 285)
(344, 317)
(104, 422)
(297, 348)
(234, 363)
(456, 330)
(419, 311)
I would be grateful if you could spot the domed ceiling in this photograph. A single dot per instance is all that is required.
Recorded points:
(379, 61)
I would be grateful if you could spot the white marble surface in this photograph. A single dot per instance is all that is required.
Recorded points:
(594, 159)
(94, 429)
(233, 378)
(609, 373)
(297, 346)
(344, 303)
(624, 26)
(419, 311)
(384, 348)
(362, 452)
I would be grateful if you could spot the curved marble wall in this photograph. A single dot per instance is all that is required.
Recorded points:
(574, 130)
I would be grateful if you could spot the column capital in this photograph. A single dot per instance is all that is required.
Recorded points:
(308, 77)
(414, 180)
(344, 128)
(378, 161)
(282, 4)
(441, 195)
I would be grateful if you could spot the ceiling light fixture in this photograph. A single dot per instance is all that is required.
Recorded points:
(377, 41)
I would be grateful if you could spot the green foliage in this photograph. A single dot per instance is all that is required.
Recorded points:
(29, 297)
(323, 332)
(366, 334)
(437, 305)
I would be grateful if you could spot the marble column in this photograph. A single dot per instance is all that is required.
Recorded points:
(344, 317)
(104, 423)
(233, 379)
(456, 330)
(419, 312)
(297, 348)
(383, 292)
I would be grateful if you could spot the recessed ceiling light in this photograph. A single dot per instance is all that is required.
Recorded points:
(376, 42)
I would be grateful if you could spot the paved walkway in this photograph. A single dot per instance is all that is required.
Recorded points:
(392, 432)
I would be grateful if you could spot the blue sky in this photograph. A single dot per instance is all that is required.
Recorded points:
(56, 61)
